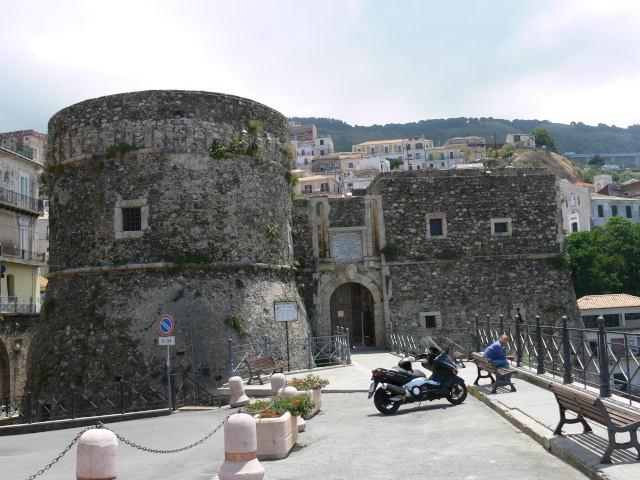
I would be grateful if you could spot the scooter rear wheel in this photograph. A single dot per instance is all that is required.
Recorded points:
(457, 394)
(383, 402)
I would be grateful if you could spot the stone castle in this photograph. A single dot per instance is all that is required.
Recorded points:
(145, 222)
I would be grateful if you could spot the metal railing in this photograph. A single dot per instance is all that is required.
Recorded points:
(18, 200)
(23, 254)
(402, 341)
(608, 360)
(108, 399)
(312, 352)
(19, 305)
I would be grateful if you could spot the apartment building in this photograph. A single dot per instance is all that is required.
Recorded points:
(307, 144)
(472, 149)
(27, 143)
(521, 140)
(19, 253)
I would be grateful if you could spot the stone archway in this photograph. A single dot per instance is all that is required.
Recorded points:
(329, 286)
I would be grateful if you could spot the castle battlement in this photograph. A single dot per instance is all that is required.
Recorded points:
(169, 120)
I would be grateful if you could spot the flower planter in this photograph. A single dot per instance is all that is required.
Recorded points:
(315, 396)
(276, 436)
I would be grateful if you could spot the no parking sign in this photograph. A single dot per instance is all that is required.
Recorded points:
(165, 325)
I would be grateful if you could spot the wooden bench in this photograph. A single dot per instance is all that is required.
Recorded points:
(586, 406)
(487, 365)
(262, 365)
(459, 358)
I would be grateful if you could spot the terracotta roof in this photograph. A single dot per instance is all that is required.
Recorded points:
(43, 283)
(598, 196)
(618, 300)
(377, 142)
(584, 184)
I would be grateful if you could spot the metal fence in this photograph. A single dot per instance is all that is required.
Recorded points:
(312, 352)
(605, 359)
(19, 305)
(18, 200)
(109, 399)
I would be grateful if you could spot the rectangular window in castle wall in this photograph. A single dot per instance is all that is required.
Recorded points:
(614, 210)
(435, 226)
(600, 211)
(131, 219)
(500, 227)
(628, 211)
(430, 321)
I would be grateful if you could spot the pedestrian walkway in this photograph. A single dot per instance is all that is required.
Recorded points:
(534, 410)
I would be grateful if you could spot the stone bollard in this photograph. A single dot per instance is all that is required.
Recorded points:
(278, 381)
(236, 388)
(240, 447)
(97, 455)
(292, 392)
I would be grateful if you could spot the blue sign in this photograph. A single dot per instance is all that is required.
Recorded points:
(165, 325)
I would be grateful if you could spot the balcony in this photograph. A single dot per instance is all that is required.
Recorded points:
(23, 254)
(18, 305)
(17, 201)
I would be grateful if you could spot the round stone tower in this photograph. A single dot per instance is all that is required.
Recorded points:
(163, 202)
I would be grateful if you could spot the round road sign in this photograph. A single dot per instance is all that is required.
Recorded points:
(165, 325)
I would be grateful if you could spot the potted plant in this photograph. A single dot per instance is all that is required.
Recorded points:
(277, 425)
(312, 386)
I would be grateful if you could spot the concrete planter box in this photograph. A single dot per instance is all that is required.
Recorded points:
(315, 396)
(276, 436)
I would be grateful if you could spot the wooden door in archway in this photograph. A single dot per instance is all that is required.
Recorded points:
(352, 308)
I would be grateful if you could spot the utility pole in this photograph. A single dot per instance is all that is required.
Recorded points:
(495, 145)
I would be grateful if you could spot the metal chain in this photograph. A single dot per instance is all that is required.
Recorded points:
(134, 445)
(64, 452)
(176, 450)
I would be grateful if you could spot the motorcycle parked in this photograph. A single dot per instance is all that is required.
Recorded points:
(399, 385)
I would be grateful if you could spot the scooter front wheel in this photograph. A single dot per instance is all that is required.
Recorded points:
(383, 402)
(457, 393)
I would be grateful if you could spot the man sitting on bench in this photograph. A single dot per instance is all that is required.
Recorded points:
(495, 352)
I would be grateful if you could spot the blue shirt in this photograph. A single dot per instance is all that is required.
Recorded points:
(495, 351)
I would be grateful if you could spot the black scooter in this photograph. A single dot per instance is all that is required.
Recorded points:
(399, 385)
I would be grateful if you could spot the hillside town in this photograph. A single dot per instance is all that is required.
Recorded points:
(280, 241)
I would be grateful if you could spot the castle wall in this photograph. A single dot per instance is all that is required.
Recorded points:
(468, 201)
(440, 282)
(213, 231)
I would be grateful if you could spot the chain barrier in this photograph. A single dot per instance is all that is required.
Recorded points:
(64, 452)
(139, 447)
(175, 450)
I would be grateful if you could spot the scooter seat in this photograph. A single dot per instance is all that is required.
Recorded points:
(410, 373)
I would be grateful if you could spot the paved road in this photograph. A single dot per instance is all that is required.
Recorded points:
(349, 439)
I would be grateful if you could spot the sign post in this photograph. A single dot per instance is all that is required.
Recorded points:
(165, 327)
(286, 311)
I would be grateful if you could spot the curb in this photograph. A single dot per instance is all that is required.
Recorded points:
(538, 432)
(78, 422)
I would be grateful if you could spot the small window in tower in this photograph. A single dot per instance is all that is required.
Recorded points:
(500, 227)
(131, 219)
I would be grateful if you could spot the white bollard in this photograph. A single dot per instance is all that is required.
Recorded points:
(238, 397)
(97, 455)
(293, 392)
(240, 447)
(278, 381)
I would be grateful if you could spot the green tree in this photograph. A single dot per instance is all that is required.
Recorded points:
(606, 260)
(395, 162)
(544, 139)
(508, 150)
(596, 160)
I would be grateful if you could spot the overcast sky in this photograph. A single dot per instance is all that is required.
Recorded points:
(364, 62)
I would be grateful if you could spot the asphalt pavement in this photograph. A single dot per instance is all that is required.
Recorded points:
(348, 439)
